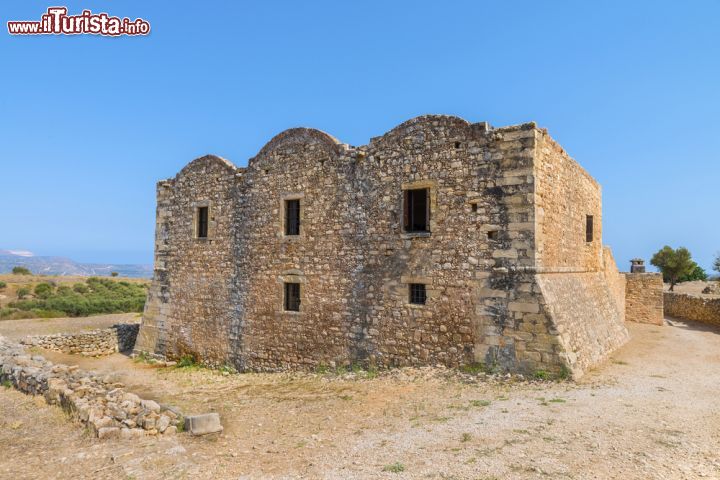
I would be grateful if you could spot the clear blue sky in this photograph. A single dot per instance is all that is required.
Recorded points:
(89, 124)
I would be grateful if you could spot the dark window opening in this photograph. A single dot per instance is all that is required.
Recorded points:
(473, 207)
(417, 210)
(457, 144)
(589, 228)
(493, 234)
(202, 222)
(292, 217)
(292, 297)
(418, 295)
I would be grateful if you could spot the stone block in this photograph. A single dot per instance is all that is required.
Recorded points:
(203, 424)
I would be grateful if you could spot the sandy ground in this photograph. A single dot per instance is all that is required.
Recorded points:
(693, 288)
(650, 413)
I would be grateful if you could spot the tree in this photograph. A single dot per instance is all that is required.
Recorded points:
(697, 273)
(716, 264)
(43, 290)
(21, 271)
(113, 274)
(674, 264)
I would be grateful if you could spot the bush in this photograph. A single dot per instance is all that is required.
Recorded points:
(113, 274)
(21, 271)
(80, 288)
(3, 285)
(43, 290)
(23, 292)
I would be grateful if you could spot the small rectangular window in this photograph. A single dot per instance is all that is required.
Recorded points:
(416, 210)
(292, 217)
(418, 295)
(589, 228)
(202, 222)
(292, 297)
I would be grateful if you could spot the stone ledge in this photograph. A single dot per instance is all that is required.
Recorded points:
(94, 343)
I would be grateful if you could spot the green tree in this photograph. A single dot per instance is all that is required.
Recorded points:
(674, 264)
(113, 274)
(23, 292)
(716, 264)
(697, 273)
(3, 285)
(21, 271)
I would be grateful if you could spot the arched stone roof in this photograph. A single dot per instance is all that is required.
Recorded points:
(300, 135)
(207, 160)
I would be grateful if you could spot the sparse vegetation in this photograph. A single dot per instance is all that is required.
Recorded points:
(716, 264)
(3, 285)
(21, 271)
(541, 375)
(479, 403)
(95, 296)
(396, 467)
(113, 274)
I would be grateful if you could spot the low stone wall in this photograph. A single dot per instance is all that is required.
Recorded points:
(94, 343)
(105, 407)
(690, 307)
(644, 298)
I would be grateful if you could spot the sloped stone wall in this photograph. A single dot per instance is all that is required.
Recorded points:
(644, 298)
(93, 343)
(690, 307)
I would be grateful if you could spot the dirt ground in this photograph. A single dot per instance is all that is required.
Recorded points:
(18, 329)
(694, 288)
(650, 413)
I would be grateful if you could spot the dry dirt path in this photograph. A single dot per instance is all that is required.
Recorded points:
(650, 413)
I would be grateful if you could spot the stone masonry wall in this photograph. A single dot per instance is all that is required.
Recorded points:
(104, 406)
(222, 300)
(94, 343)
(689, 307)
(644, 298)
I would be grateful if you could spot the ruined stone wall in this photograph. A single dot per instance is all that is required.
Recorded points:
(690, 307)
(118, 338)
(644, 298)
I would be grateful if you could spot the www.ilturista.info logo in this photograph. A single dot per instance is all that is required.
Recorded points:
(57, 22)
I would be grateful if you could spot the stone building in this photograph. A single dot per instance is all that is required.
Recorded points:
(439, 242)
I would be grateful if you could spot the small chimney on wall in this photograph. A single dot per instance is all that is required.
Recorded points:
(637, 265)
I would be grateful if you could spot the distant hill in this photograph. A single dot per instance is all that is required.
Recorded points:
(66, 266)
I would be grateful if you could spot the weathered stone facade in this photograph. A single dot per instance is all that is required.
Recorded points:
(513, 265)
(644, 298)
(690, 307)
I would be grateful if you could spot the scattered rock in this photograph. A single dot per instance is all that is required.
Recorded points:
(203, 424)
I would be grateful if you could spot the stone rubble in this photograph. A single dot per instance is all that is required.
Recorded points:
(103, 405)
(93, 343)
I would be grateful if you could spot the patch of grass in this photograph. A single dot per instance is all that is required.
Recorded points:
(619, 362)
(346, 397)
(187, 361)
(7, 383)
(465, 437)
(541, 375)
(473, 368)
(396, 467)
(565, 373)
(557, 400)
(479, 403)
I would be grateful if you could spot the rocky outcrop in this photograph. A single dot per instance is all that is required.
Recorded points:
(93, 343)
(101, 404)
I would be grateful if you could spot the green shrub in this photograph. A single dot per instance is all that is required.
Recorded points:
(21, 271)
(80, 288)
(43, 290)
(23, 292)
(3, 285)
(113, 274)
